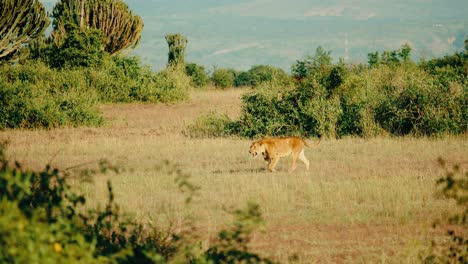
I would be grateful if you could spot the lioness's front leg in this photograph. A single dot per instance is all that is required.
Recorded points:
(272, 164)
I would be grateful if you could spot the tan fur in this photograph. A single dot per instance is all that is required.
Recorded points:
(273, 149)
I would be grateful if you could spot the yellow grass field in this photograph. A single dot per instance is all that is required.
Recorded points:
(364, 200)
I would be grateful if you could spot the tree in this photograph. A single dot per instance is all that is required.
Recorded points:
(392, 57)
(81, 48)
(405, 52)
(259, 74)
(317, 65)
(177, 44)
(20, 22)
(373, 59)
(198, 74)
(119, 26)
(223, 78)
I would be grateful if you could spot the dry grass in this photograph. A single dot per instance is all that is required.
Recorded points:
(363, 200)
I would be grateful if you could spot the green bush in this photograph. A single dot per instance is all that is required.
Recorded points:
(197, 74)
(34, 96)
(80, 48)
(122, 79)
(262, 73)
(211, 125)
(416, 103)
(223, 78)
(171, 85)
(307, 110)
(336, 101)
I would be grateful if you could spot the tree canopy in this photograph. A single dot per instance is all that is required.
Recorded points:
(120, 27)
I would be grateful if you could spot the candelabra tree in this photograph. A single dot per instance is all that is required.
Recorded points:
(121, 29)
(177, 44)
(20, 22)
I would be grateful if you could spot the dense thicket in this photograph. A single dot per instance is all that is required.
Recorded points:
(390, 96)
(33, 95)
(397, 98)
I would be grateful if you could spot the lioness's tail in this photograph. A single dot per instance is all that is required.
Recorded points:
(316, 144)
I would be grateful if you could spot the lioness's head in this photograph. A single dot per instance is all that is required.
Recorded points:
(256, 148)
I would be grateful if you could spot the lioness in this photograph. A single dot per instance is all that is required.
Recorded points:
(273, 149)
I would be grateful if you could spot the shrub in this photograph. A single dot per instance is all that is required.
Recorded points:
(318, 65)
(335, 101)
(223, 78)
(359, 96)
(172, 85)
(121, 80)
(211, 125)
(34, 96)
(275, 110)
(80, 48)
(262, 73)
(198, 75)
(421, 106)
(124, 79)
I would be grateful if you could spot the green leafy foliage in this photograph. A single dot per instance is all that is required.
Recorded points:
(122, 79)
(318, 65)
(393, 57)
(177, 44)
(223, 78)
(34, 96)
(273, 110)
(198, 75)
(172, 85)
(336, 100)
(211, 125)
(80, 48)
(261, 73)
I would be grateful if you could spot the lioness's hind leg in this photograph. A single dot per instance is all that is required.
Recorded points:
(303, 158)
(294, 162)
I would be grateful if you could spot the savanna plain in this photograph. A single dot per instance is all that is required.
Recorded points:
(363, 200)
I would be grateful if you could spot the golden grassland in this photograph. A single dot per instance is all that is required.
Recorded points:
(363, 200)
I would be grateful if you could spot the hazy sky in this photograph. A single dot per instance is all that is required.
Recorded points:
(243, 33)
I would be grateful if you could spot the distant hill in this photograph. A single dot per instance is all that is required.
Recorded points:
(240, 34)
